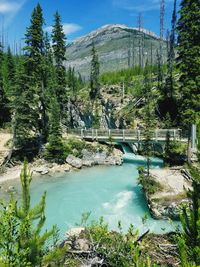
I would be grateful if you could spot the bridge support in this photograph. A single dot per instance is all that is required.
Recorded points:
(194, 138)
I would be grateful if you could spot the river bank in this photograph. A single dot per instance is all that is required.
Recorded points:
(40, 167)
(171, 194)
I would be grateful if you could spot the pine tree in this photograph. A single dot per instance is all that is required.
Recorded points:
(10, 62)
(189, 240)
(25, 116)
(35, 67)
(168, 101)
(21, 242)
(55, 147)
(171, 56)
(160, 59)
(59, 51)
(94, 76)
(189, 60)
(30, 234)
(148, 115)
(4, 103)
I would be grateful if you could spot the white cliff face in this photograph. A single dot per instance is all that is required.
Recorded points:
(117, 46)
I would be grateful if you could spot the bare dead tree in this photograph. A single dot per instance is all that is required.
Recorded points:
(162, 21)
(171, 52)
(129, 51)
(141, 39)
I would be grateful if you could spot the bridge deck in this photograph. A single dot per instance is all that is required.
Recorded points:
(158, 135)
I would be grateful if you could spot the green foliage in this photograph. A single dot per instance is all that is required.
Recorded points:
(75, 83)
(94, 75)
(4, 107)
(127, 76)
(189, 238)
(33, 75)
(25, 119)
(149, 184)
(116, 248)
(148, 115)
(21, 242)
(75, 147)
(189, 60)
(175, 151)
(59, 49)
(55, 150)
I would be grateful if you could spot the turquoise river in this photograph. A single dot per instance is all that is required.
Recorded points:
(112, 192)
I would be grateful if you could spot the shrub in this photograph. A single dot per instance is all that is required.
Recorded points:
(148, 183)
(175, 152)
(116, 248)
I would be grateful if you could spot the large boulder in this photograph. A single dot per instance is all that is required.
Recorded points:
(74, 162)
(100, 158)
(87, 155)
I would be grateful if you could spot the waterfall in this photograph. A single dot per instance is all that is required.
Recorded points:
(130, 157)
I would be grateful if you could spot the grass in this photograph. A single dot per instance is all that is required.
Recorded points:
(170, 198)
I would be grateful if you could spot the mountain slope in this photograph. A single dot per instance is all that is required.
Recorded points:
(117, 46)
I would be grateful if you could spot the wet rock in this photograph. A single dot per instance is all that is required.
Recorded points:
(100, 158)
(42, 170)
(87, 155)
(88, 163)
(74, 162)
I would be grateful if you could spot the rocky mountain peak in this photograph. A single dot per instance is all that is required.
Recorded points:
(110, 27)
(118, 47)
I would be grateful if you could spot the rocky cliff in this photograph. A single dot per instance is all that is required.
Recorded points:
(110, 110)
(118, 47)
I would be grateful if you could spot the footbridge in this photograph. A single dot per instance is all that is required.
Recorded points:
(117, 135)
(133, 139)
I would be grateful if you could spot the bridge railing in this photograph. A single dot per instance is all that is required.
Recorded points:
(125, 135)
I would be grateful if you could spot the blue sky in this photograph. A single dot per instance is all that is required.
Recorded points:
(81, 16)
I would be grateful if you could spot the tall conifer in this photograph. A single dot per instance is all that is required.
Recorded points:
(94, 75)
(59, 50)
(189, 60)
(35, 67)
(4, 109)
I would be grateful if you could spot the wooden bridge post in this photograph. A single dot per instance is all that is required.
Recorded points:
(194, 138)
(82, 135)
(156, 135)
(174, 135)
(123, 134)
(92, 134)
(138, 135)
(97, 135)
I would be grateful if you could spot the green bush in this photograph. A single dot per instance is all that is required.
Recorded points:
(117, 248)
(75, 147)
(148, 183)
(55, 150)
(175, 152)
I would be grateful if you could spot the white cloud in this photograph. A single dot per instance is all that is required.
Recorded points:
(8, 9)
(68, 28)
(145, 5)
